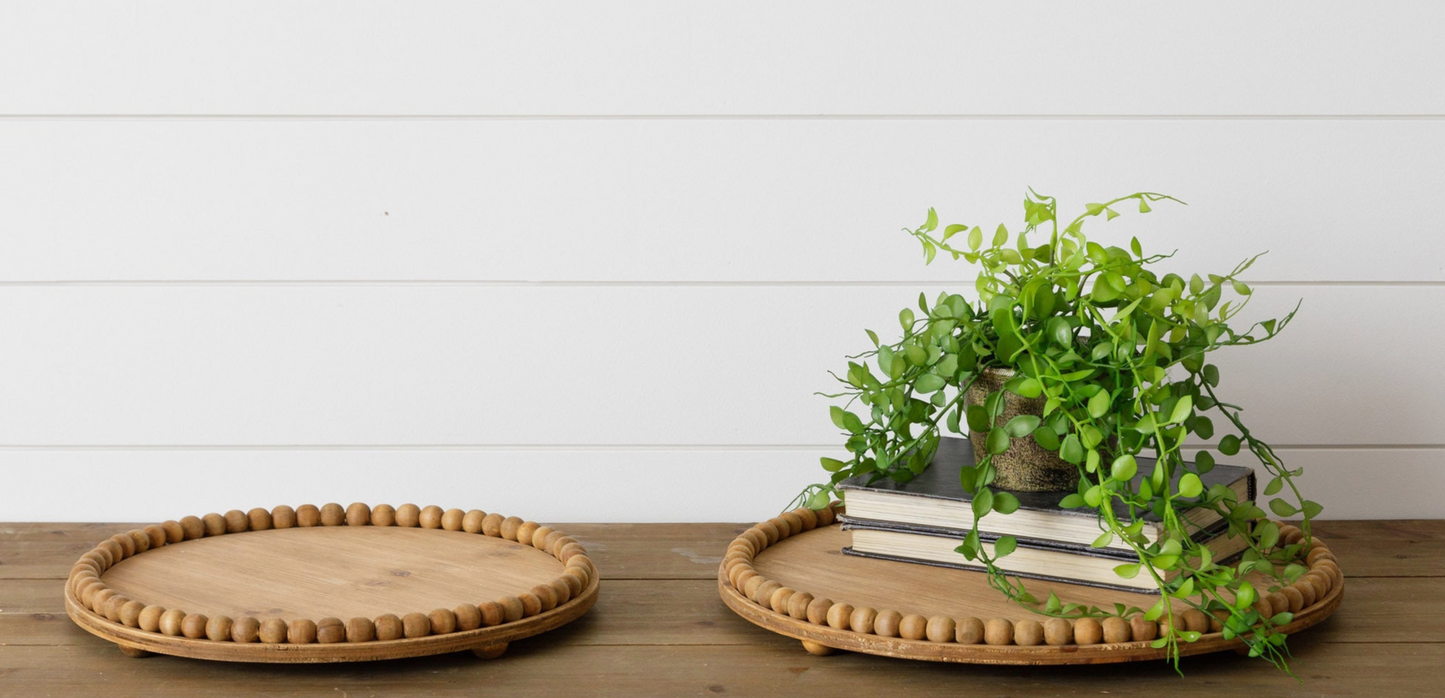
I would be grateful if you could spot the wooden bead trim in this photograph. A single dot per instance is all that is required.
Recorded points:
(89, 587)
(737, 566)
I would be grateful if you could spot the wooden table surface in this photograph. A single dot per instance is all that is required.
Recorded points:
(659, 629)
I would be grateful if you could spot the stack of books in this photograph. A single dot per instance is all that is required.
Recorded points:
(925, 519)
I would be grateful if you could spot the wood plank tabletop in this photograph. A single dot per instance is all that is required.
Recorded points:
(659, 629)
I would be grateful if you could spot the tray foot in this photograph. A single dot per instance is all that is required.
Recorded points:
(135, 652)
(490, 651)
(817, 649)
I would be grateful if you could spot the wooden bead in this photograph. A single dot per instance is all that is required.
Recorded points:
(113, 605)
(1088, 631)
(383, 515)
(570, 550)
(750, 587)
(968, 631)
(769, 531)
(357, 514)
(130, 613)
(1278, 603)
(472, 521)
(512, 610)
(1143, 630)
(237, 521)
(360, 629)
(824, 515)
(562, 590)
(1322, 582)
(583, 576)
(757, 538)
(194, 625)
(531, 605)
(95, 597)
(85, 584)
(126, 543)
(431, 516)
(259, 519)
(215, 524)
(492, 525)
(574, 584)
(273, 630)
(886, 623)
(416, 624)
(861, 620)
(140, 540)
(102, 558)
(1195, 620)
(940, 629)
(1116, 630)
(452, 519)
(1318, 553)
(549, 545)
(526, 531)
(547, 595)
(283, 516)
(778, 600)
(218, 629)
(818, 611)
(539, 537)
(1216, 619)
(191, 528)
(112, 548)
(998, 631)
(1291, 536)
(150, 618)
(816, 649)
(510, 526)
(795, 524)
(170, 623)
(442, 621)
(246, 629)
(807, 517)
(492, 613)
(765, 591)
(913, 627)
(332, 514)
(1331, 568)
(157, 535)
(1058, 632)
(1293, 598)
(468, 617)
(307, 515)
(388, 626)
(175, 533)
(798, 605)
(839, 616)
(1028, 632)
(330, 630)
(408, 516)
(302, 631)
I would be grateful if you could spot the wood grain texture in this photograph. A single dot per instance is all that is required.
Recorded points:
(666, 636)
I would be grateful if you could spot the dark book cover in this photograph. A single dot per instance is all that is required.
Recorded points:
(940, 481)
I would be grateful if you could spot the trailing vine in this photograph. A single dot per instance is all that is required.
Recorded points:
(1118, 352)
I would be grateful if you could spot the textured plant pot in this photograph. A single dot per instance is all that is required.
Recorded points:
(1025, 466)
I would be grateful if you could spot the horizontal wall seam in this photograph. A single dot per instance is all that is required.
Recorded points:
(584, 447)
(513, 283)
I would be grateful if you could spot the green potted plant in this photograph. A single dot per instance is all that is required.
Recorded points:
(1071, 360)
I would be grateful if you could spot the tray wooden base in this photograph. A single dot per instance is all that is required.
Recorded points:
(333, 593)
(802, 586)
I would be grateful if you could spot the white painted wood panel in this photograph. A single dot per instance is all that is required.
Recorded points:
(598, 485)
(693, 200)
(397, 365)
(661, 57)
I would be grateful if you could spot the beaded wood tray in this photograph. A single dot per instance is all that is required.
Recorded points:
(789, 575)
(330, 584)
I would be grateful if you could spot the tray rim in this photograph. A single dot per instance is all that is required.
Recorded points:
(485, 640)
(821, 638)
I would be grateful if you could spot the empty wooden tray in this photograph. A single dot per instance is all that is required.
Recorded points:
(330, 584)
(789, 575)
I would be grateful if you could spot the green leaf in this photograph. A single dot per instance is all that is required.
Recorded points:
(1005, 502)
(1099, 404)
(1144, 207)
(1103, 540)
(837, 413)
(1094, 496)
(1004, 545)
(1128, 571)
(953, 230)
(932, 221)
(1282, 508)
(1244, 597)
(997, 441)
(1125, 467)
(1182, 410)
(928, 383)
(1021, 426)
(977, 418)
(1241, 288)
(1190, 485)
(1275, 485)
(905, 318)
(916, 355)
(873, 336)
(1229, 445)
(1029, 388)
(1000, 236)
(1210, 372)
(1312, 509)
(1071, 450)
(1204, 462)
(1134, 245)
(975, 238)
(1046, 438)
(832, 465)
(982, 501)
(1073, 501)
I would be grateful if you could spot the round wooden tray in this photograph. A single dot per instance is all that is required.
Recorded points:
(330, 584)
(789, 575)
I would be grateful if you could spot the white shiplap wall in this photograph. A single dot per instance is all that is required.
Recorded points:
(591, 262)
